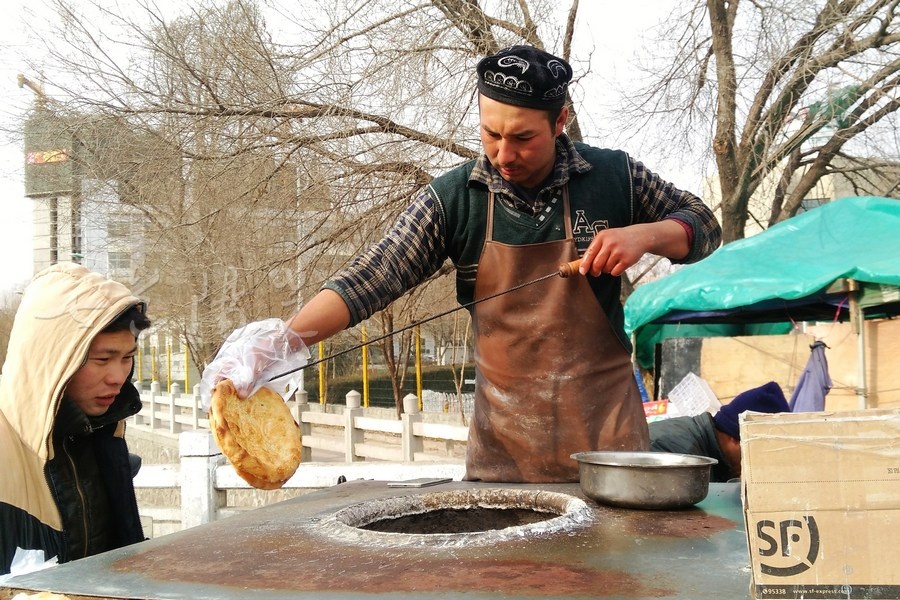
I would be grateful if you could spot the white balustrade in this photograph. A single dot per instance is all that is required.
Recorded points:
(362, 443)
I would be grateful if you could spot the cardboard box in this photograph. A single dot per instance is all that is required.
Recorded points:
(821, 496)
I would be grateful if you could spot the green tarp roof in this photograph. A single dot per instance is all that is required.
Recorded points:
(794, 271)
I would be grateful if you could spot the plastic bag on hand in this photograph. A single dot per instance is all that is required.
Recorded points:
(254, 354)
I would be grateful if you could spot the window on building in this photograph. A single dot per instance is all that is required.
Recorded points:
(119, 261)
(118, 228)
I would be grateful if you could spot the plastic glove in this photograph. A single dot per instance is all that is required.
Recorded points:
(252, 355)
(27, 561)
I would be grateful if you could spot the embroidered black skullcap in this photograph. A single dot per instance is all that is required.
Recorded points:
(525, 76)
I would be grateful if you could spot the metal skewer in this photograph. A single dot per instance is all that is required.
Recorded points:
(565, 270)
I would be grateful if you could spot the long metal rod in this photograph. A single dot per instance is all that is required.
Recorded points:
(565, 270)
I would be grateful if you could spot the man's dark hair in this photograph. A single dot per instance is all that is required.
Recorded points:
(133, 320)
(553, 115)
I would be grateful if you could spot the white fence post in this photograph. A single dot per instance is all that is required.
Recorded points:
(138, 418)
(195, 407)
(174, 410)
(411, 415)
(301, 405)
(352, 435)
(154, 393)
(200, 500)
(411, 404)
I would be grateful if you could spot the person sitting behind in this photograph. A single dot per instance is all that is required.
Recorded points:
(717, 436)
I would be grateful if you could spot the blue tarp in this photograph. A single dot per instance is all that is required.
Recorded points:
(794, 271)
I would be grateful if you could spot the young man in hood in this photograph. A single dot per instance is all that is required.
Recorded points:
(66, 485)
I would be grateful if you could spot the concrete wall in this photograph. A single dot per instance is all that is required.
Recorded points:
(733, 365)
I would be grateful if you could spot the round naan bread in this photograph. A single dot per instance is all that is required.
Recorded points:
(258, 435)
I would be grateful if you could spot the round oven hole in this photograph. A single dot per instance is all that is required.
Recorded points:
(457, 517)
(458, 520)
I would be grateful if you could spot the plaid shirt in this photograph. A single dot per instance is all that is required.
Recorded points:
(415, 247)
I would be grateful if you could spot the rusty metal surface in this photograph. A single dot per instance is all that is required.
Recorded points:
(284, 551)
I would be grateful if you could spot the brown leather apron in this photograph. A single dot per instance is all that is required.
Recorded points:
(552, 377)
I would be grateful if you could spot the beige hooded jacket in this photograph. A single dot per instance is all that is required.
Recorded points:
(62, 310)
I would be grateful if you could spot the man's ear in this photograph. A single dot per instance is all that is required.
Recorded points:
(561, 121)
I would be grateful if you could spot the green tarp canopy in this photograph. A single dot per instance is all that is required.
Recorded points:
(802, 269)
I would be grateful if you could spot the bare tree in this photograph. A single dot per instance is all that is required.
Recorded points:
(459, 358)
(261, 141)
(9, 304)
(782, 93)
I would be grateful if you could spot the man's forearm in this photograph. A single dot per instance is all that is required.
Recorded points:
(666, 238)
(323, 316)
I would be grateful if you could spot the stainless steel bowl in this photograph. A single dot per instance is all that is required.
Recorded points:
(649, 480)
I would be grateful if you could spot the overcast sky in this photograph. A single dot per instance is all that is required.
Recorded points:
(610, 28)
(15, 217)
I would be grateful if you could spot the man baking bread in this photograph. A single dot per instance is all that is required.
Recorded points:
(553, 368)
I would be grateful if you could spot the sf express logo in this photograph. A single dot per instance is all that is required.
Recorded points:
(787, 547)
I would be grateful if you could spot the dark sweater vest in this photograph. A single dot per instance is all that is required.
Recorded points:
(599, 199)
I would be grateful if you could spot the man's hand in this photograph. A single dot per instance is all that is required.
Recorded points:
(615, 250)
(252, 356)
(612, 251)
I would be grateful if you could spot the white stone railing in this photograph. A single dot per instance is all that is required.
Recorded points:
(204, 476)
(361, 443)
(173, 412)
(353, 432)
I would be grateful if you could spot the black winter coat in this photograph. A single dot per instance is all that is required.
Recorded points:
(91, 480)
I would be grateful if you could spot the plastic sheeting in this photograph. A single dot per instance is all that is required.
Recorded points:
(788, 273)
